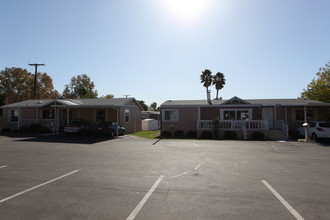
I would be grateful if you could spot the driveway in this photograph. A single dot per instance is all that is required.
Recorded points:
(134, 178)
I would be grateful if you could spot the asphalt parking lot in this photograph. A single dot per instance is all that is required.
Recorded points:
(60, 177)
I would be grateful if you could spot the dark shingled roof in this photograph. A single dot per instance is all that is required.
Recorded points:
(114, 102)
(285, 102)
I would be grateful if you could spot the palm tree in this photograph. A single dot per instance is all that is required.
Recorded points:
(206, 79)
(219, 81)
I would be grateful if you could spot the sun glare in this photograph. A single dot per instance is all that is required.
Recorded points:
(188, 9)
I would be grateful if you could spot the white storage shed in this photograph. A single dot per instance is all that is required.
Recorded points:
(149, 124)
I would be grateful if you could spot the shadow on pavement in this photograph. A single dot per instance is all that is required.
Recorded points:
(68, 139)
(323, 142)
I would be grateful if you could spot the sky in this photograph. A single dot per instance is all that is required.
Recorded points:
(155, 50)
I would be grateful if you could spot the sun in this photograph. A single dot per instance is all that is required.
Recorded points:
(188, 9)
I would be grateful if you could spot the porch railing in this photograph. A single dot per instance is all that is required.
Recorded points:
(282, 125)
(234, 125)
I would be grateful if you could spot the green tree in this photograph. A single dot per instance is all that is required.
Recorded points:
(143, 105)
(319, 88)
(45, 88)
(81, 87)
(16, 84)
(108, 96)
(206, 79)
(154, 106)
(219, 82)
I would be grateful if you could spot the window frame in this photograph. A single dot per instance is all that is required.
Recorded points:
(235, 111)
(16, 116)
(127, 116)
(310, 117)
(48, 114)
(173, 118)
(100, 117)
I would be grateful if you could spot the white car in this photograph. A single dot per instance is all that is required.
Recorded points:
(316, 129)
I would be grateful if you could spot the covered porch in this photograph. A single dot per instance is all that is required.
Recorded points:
(243, 128)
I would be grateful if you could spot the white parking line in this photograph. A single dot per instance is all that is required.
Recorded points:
(144, 200)
(40, 185)
(282, 200)
(4, 166)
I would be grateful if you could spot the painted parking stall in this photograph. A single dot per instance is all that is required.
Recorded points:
(130, 178)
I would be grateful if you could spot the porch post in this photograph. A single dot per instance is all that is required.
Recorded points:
(275, 117)
(37, 111)
(19, 118)
(58, 119)
(67, 116)
(117, 122)
(54, 121)
(305, 121)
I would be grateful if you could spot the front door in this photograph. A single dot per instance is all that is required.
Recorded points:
(268, 114)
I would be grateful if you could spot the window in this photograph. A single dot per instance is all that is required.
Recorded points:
(100, 115)
(171, 115)
(13, 115)
(300, 115)
(48, 114)
(127, 116)
(236, 114)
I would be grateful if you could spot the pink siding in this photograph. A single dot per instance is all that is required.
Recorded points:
(187, 120)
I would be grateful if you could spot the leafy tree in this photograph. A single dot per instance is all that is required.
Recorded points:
(154, 106)
(319, 88)
(206, 79)
(143, 105)
(81, 87)
(45, 88)
(17, 84)
(108, 96)
(219, 82)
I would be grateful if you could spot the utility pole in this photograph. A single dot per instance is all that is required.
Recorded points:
(35, 77)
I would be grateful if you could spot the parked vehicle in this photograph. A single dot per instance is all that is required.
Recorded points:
(121, 130)
(316, 129)
(109, 128)
(78, 127)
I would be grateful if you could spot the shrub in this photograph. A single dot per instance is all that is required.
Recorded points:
(206, 135)
(6, 130)
(179, 134)
(34, 129)
(166, 134)
(191, 134)
(230, 135)
(258, 135)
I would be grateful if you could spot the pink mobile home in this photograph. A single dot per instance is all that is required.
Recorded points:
(244, 117)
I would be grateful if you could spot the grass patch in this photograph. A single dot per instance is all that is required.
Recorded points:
(147, 134)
